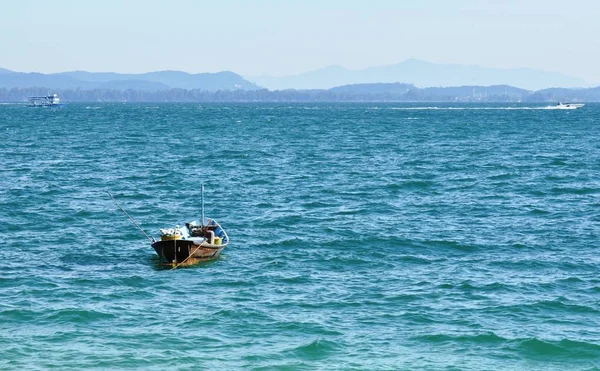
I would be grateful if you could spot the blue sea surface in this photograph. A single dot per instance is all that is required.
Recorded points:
(363, 236)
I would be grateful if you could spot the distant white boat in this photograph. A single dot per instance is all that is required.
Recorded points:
(50, 100)
(569, 105)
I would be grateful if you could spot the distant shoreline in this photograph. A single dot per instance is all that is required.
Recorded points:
(387, 92)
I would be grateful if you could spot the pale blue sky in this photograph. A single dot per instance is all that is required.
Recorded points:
(284, 37)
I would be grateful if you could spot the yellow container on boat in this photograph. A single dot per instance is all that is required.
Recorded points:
(218, 240)
(170, 237)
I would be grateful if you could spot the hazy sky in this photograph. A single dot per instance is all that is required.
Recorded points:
(279, 37)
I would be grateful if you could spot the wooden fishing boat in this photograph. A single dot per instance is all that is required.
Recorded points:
(191, 243)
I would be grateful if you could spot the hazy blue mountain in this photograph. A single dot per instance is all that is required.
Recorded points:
(160, 80)
(566, 95)
(324, 78)
(51, 81)
(172, 79)
(208, 81)
(377, 88)
(132, 84)
(409, 92)
(475, 93)
(96, 76)
(422, 74)
(400, 88)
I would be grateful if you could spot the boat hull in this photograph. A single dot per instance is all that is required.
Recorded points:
(186, 250)
(570, 105)
(60, 105)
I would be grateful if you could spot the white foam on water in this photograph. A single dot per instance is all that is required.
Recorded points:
(476, 108)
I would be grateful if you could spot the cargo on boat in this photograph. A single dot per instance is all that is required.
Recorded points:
(191, 243)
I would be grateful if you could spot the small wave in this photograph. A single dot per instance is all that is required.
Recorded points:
(562, 348)
(265, 205)
(347, 261)
(559, 305)
(19, 315)
(489, 338)
(447, 245)
(317, 205)
(530, 347)
(558, 162)
(295, 280)
(78, 316)
(288, 242)
(258, 182)
(411, 184)
(549, 306)
(575, 191)
(539, 212)
(316, 349)
(346, 211)
(503, 176)
(417, 259)
(570, 280)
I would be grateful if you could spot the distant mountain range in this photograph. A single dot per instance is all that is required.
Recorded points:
(151, 81)
(411, 71)
(422, 74)
(420, 81)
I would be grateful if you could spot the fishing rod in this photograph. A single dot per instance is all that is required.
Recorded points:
(152, 240)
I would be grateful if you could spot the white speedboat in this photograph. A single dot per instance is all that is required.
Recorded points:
(569, 105)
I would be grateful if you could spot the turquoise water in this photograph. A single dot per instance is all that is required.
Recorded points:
(364, 236)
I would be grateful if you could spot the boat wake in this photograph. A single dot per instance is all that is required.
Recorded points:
(479, 108)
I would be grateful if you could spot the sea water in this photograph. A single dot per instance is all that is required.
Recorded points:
(363, 236)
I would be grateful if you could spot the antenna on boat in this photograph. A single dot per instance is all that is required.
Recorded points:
(202, 223)
(130, 218)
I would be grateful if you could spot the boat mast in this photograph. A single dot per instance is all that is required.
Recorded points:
(202, 222)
